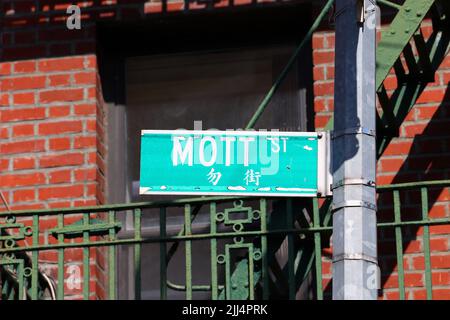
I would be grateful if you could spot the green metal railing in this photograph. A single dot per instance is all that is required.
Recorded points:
(243, 235)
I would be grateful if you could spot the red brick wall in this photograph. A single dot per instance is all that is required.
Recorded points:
(421, 152)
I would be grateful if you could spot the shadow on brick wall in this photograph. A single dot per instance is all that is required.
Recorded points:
(37, 29)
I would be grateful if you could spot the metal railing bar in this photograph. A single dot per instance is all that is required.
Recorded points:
(291, 256)
(399, 246)
(317, 250)
(188, 251)
(414, 185)
(112, 259)
(288, 66)
(60, 288)
(305, 231)
(265, 260)
(426, 243)
(162, 255)
(137, 253)
(214, 275)
(86, 259)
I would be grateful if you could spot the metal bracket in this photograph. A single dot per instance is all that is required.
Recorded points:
(355, 181)
(354, 130)
(355, 256)
(354, 203)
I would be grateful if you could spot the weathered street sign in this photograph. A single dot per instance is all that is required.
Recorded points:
(243, 163)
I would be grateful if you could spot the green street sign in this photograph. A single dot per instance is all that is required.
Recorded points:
(245, 163)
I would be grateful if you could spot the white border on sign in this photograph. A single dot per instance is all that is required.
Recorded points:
(231, 132)
(262, 194)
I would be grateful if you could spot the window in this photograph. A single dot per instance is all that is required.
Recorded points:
(203, 90)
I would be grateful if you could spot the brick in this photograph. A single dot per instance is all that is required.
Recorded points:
(22, 130)
(84, 142)
(391, 165)
(61, 95)
(60, 192)
(57, 144)
(85, 78)
(426, 113)
(24, 163)
(23, 114)
(70, 159)
(92, 93)
(319, 73)
(25, 179)
(323, 89)
(446, 77)
(440, 278)
(320, 105)
(392, 295)
(59, 111)
(326, 57)
(24, 195)
(432, 95)
(60, 176)
(34, 206)
(4, 100)
(397, 148)
(60, 127)
(85, 203)
(23, 83)
(411, 280)
(59, 80)
(441, 261)
(318, 41)
(25, 66)
(330, 41)
(91, 61)
(412, 130)
(85, 109)
(4, 133)
(22, 146)
(330, 73)
(5, 69)
(4, 164)
(91, 125)
(23, 98)
(61, 64)
(438, 211)
(321, 121)
(60, 204)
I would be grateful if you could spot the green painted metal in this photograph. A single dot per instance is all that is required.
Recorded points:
(264, 250)
(394, 52)
(188, 251)
(60, 288)
(291, 257)
(162, 254)
(394, 39)
(137, 253)
(317, 251)
(86, 258)
(256, 238)
(268, 97)
(399, 246)
(95, 227)
(112, 275)
(426, 243)
(213, 231)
